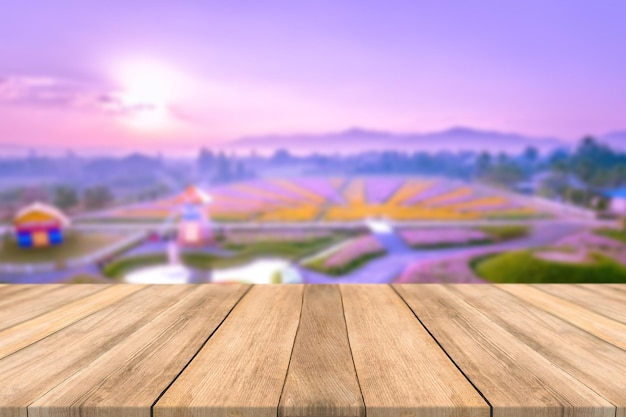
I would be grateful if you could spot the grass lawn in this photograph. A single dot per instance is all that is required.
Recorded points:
(506, 232)
(75, 245)
(243, 254)
(617, 234)
(87, 279)
(523, 267)
(120, 267)
(292, 250)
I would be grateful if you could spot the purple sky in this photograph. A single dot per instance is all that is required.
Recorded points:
(141, 73)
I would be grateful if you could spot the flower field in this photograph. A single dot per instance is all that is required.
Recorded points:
(310, 199)
(349, 256)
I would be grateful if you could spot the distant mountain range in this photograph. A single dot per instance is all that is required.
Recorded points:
(356, 139)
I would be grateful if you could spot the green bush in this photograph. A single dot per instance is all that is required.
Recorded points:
(617, 234)
(277, 278)
(120, 267)
(524, 267)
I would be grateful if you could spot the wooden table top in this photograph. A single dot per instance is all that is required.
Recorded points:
(312, 351)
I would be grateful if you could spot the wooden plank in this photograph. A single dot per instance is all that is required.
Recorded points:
(17, 293)
(36, 369)
(610, 330)
(8, 289)
(617, 286)
(612, 306)
(150, 358)
(321, 380)
(242, 368)
(25, 333)
(513, 377)
(564, 344)
(401, 369)
(25, 306)
(608, 290)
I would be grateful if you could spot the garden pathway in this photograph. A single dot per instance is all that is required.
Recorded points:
(386, 268)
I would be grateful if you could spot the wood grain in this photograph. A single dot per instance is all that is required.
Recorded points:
(612, 292)
(150, 358)
(312, 351)
(9, 290)
(36, 369)
(401, 369)
(30, 304)
(513, 377)
(14, 294)
(27, 332)
(241, 370)
(618, 287)
(601, 326)
(594, 362)
(612, 306)
(321, 380)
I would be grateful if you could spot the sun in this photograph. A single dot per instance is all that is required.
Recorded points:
(147, 92)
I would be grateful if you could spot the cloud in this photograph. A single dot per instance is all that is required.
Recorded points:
(65, 94)
(116, 103)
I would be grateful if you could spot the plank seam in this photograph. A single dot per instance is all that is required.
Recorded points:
(540, 288)
(198, 351)
(70, 324)
(282, 390)
(445, 352)
(521, 300)
(523, 342)
(356, 373)
(54, 309)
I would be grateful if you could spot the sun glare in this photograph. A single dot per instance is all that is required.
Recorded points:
(148, 90)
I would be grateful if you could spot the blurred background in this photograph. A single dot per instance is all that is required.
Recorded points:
(319, 142)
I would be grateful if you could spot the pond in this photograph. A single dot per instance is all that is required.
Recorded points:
(259, 271)
(162, 274)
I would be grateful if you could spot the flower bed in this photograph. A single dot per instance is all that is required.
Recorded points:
(354, 193)
(435, 189)
(441, 271)
(452, 196)
(421, 238)
(295, 214)
(349, 256)
(318, 190)
(409, 190)
(380, 190)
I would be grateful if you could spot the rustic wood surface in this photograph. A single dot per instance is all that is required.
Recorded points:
(597, 324)
(321, 374)
(403, 350)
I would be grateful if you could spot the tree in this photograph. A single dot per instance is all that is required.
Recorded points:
(33, 194)
(97, 197)
(281, 156)
(223, 167)
(531, 155)
(483, 163)
(65, 197)
(206, 160)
